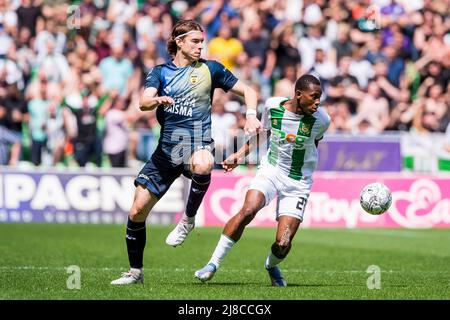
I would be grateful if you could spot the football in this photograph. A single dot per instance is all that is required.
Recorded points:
(375, 198)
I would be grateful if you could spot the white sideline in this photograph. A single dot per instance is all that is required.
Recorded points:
(40, 268)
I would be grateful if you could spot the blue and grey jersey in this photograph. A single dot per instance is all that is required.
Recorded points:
(188, 120)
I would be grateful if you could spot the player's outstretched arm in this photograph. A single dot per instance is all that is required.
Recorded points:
(233, 160)
(252, 125)
(149, 100)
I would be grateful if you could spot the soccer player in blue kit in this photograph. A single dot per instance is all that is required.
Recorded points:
(181, 91)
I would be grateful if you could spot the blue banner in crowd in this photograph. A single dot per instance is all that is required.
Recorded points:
(77, 197)
(360, 155)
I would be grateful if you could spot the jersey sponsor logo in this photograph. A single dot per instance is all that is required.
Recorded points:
(296, 140)
(183, 105)
(181, 110)
(291, 138)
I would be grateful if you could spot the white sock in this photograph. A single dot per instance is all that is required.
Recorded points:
(136, 271)
(223, 247)
(272, 260)
(186, 219)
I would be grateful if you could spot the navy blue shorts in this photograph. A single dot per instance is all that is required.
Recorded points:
(159, 173)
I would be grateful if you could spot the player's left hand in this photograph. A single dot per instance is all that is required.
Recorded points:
(252, 126)
(231, 162)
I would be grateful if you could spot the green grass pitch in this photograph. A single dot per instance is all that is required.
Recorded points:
(323, 264)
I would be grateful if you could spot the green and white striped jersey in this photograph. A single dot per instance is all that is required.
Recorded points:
(292, 148)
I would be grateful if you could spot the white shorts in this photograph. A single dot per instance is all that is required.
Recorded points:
(292, 194)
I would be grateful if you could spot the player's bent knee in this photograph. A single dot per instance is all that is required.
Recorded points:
(249, 212)
(138, 214)
(202, 162)
(202, 168)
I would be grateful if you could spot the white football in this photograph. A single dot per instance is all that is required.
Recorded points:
(375, 198)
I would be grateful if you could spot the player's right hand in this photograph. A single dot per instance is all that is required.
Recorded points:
(165, 100)
(252, 126)
(230, 163)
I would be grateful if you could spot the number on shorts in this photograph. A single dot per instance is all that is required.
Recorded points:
(301, 204)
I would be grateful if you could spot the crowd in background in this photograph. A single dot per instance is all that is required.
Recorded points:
(71, 73)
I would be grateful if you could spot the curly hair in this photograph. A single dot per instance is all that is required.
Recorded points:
(305, 81)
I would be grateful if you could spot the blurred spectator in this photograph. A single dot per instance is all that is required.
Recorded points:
(116, 71)
(392, 10)
(336, 29)
(115, 142)
(313, 13)
(38, 110)
(148, 58)
(53, 63)
(6, 41)
(146, 27)
(323, 68)
(8, 18)
(52, 35)
(29, 16)
(101, 46)
(82, 59)
(361, 68)
(10, 140)
(391, 92)
(401, 117)
(214, 16)
(308, 44)
(9, 69)
(340, 114)
(121, 14)
(143, 139)
(26, 57)
(261, 57)
(17, 113)
(285, 46)
(373, 109)
(222, 122)
(283, 87)
(374, 52)
(342, 46)
(86, 23)
(400, 57)
(433, 113)
(57, 128)
(225, 48)
(344, 86)
(395, 64)
(88, 142)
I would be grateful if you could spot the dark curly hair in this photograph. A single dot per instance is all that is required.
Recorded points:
(305, 81)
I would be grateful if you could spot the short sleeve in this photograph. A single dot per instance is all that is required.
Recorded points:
(324, 127)
(447, 134)
(153, 78)
(266, 119)
(221, 76)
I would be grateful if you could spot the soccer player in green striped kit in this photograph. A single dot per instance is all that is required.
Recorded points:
(296, 126)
